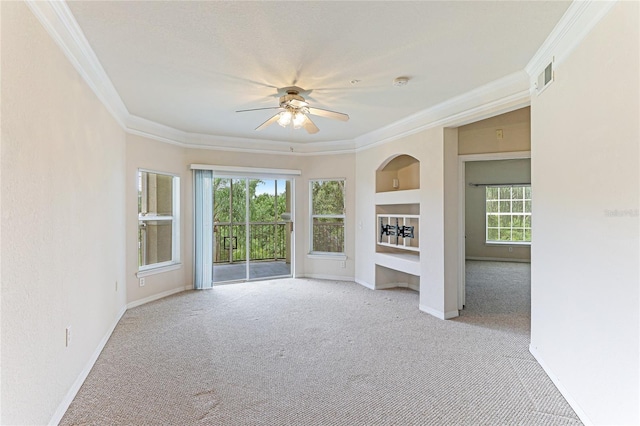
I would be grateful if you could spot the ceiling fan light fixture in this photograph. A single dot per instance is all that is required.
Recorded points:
(285, 118)
(298, 120)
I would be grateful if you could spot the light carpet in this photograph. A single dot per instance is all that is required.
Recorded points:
(311, 352)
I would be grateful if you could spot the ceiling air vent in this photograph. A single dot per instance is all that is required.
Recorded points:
(545, 78)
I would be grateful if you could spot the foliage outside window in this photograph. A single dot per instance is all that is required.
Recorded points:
(158, 219)
(267, 230)
(327, 215)
(508, 211)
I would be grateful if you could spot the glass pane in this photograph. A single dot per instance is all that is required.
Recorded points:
(505, 193)
(517, 206)
(527, 206)
(492, 234)
(517, 235)
(492, 221)
(492, 207)
(328, 235)
(517, 193)
(527, 221)
(238, 200)
(518, 221)
(527, 234)
(327, 197)
(492, 193)
(505, 206)
(155, 194)
(262, 207)
(221, 188)
(282, 204)
(505, 235)
(527, 192)
(155, 241)
(505, 221)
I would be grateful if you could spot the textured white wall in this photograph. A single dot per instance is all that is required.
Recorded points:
(62, 221)
(584, 315)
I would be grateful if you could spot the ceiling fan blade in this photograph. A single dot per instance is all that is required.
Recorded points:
(269, 122)
(329, 114)
(257, 109)
(310, 126)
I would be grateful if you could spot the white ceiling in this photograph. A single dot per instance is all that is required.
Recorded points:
(191, 65)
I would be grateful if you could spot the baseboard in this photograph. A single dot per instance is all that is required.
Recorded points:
(497, 259)
(365, 284)
(572, 402)
(71, 394)
(439, 314)
(157, 296)
(327, 277)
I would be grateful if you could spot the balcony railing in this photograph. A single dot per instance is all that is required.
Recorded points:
(267, 241)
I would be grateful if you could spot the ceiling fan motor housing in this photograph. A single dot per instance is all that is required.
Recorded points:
(291, 95)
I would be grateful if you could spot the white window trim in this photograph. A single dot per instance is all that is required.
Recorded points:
(175, 262)
(313, 254)
(488, 242)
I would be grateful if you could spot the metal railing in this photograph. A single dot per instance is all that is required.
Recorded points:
(267, 241)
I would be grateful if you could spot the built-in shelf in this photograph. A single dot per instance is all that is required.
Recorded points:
(397, 200)
(399, 231)
(403, 262)
(409, 196)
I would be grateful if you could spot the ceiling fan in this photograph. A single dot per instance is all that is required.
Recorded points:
(294, 111)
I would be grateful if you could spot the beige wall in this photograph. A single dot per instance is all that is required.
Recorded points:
(321, 166)
(584, 260)
(63, 168)
(498, 171)
(480, 137)
(143, 153)
(150, 154)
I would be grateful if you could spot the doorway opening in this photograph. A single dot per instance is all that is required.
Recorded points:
(494, 212)
(252, 229)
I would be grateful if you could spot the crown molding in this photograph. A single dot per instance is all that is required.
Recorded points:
(156, 131)
(503, 95)
(579, 19)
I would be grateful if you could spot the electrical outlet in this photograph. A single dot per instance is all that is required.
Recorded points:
(499, 134)
(142, 282)
(67, 337)
(510, 249)
(343, 264)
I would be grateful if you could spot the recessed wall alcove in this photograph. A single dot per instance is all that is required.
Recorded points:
(401, 172)
(397, 210)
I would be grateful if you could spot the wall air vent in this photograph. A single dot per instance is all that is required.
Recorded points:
(545, 78)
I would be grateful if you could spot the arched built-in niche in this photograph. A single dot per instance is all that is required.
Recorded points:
(397, 173)
(397, 257)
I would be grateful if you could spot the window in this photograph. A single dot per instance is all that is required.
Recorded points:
(158, 220)
(327, 216)
(508, 210)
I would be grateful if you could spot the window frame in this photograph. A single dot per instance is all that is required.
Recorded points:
(511, 213)
(174, 263)
(328, 254)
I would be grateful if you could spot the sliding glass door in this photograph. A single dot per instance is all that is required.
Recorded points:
(251, 229)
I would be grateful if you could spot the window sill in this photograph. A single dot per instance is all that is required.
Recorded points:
(507, 243)
(327, 256)
(158, 270)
